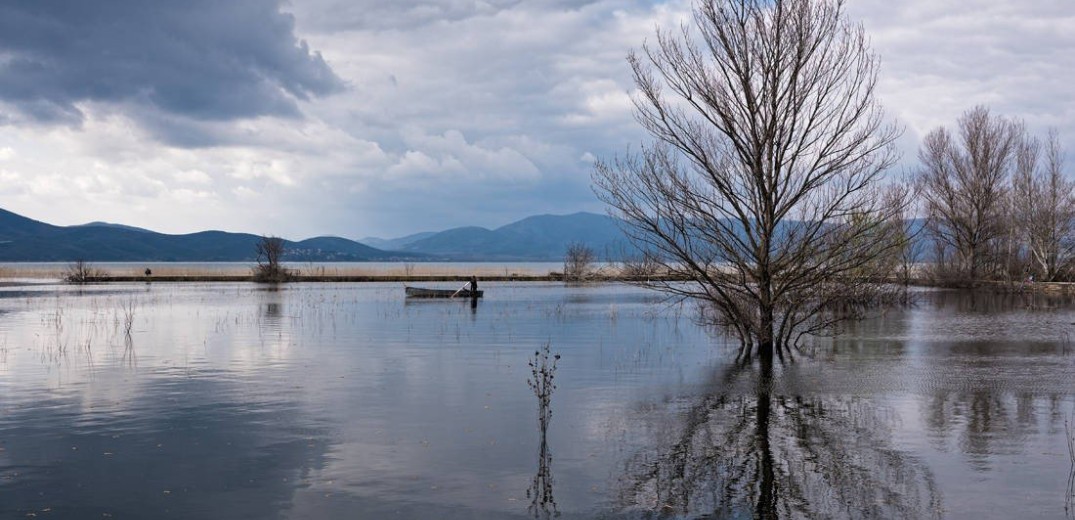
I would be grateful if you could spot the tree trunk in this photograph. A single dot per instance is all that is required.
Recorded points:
(766, 324)
(766, 343)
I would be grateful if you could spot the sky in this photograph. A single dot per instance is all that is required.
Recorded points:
(364, 118)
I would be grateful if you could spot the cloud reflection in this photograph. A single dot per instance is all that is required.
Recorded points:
(184, 448)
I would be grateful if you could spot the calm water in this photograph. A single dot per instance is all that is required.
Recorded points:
(346, 401)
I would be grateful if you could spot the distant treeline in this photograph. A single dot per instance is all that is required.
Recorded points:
(997, 202)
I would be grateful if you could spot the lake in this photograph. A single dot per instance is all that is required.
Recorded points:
(348, 401)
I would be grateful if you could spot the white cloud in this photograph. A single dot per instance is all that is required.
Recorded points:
(505, 102)
(451, 158)
(193, 176)
(940, 58)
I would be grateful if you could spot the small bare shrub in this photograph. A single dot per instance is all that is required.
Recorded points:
(270, 252)
(578, 262)
(81, 271)
(642, 267)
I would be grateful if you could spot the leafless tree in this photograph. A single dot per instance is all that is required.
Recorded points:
(761, 188)
(81, 271)
(904, 198)
(270, 253)
(639, 266)
(578, 262)
(964, 185)
(1044, 207)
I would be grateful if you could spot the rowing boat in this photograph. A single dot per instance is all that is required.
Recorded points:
(418, 292)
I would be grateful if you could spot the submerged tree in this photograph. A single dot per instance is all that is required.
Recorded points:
(762, 186)
(578, 262)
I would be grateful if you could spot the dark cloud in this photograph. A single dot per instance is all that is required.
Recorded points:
(342, 15)
(206, 60)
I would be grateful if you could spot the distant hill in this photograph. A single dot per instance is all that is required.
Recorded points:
(537, 238)
(395, 243)
(111, 225)
(27, 240)
(546, 237)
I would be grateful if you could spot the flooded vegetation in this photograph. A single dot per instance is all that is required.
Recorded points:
(347, 400)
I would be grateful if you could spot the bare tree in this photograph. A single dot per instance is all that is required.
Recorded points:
(1044, 207)
(761, 189)
(964, 184)
(639, 266)
(81, 271)
(578, 262)
(270, 253)
(903, 197)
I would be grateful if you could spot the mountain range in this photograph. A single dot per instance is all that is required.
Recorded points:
(27, 240)
(538, 238)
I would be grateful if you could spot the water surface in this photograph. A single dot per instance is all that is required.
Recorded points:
(347, 401)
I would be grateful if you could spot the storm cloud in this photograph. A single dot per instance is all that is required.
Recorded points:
(200, 59)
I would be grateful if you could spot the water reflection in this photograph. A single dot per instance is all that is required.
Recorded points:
(543, 371)
(1069, 502)
(347, 401)
(271, 301)
(214, 453)
(273, 311)
(762, 455)
(987, 423)
(130, 357)
(985, 302)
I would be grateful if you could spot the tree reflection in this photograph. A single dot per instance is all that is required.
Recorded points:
(760, 455)
(543, 370)
(985, 422)
(1069, 499)
(542, 502)
(990, 303)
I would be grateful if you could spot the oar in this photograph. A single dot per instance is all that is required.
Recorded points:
(460, 289)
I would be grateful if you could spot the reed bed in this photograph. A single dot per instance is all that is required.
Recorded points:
(311, 272)
(56, 271)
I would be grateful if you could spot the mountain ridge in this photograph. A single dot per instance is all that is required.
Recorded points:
(534, 238)
(23, 239)
(537, 238)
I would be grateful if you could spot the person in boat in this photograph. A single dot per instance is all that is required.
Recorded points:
(474, 285)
